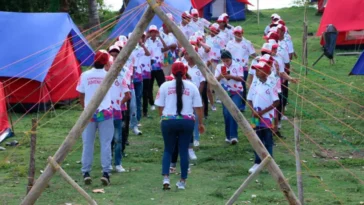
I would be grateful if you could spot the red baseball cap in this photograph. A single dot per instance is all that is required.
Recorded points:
(262, 66)
(153, 28)
(267, 47)
(179, 67)
(101, 57)
(186, 14)
(272, 36)
(194, 12)
(267, 59)
(238, 29)
(215, 27)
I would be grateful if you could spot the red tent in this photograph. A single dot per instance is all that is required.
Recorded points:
(348, 17)
(4, 120)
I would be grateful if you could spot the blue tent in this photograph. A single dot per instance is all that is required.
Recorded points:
(359, 66)
(234, 8)
(124, 26)
(38, 37)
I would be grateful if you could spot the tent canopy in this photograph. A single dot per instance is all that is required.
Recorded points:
(37, 38)
(199, 4)
(359, 66)
(125, 26)
(344, 15)
(4, 121)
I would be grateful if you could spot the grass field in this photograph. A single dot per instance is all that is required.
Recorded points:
(332, 144)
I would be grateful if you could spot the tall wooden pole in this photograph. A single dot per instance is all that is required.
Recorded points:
(240, 119)
(298, 160)
(258, 12)
(86, 115)
(33, 144)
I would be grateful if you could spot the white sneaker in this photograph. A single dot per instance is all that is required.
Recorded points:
(213, 108)
(111, 168)
(254, 167)
(279, 125)
(166, 184)
(227, 140)
(234, 141)
(139, 125)
(153, 107)
(218, 101)
(181, 185)
(284, 117)
(196, 143)
(137, 131)
(192, 154)
(119, 169)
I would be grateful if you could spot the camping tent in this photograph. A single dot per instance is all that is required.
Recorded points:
(212, 9)
(40, 60)
(359, 66)
(5, 130)
(347, 19)
(321, 4)
(127, 25)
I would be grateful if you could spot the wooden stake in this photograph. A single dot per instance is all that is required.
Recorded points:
(86, 115)
(33, 144)
(251, 177)
(298, 160)
(240, 119)
(68, 179)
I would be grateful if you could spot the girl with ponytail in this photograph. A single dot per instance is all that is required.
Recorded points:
(177, 100)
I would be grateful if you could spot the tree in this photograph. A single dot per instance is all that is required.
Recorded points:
(93, 18)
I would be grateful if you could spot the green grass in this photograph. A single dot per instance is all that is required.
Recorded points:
(220, 169)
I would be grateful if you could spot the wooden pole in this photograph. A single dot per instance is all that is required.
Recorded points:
(86, 115)
(304, 41)
(240, 119)
(68, 179)
(298, 160)
(33, 143)
(258, 12)
(251, 177)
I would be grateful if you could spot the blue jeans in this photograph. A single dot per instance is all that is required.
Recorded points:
(133, 110)
(231, 127)
(171, 131)
(138, 88)
(266, 136)
(196, 133)
(118, 141)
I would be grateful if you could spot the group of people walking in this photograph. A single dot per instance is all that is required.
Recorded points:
(185, 98)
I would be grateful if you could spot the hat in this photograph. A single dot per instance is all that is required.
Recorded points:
(194, 12)
(267, 48)
(238, 29)
(225, 54)
(266, 58)
(186, 14)
(101, 57)
(119, 44)
(129, 35)
(282, 27)
(179, 67)
(225, 15)
(272, 36)
(222, 19)
(280, 21)
(114, 48)
(123, 39)
(215, 27)
(170, 16)
(275, 16)
(153, 28)
(262, 66)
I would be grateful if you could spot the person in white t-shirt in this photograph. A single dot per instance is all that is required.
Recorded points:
(120, 94)
(185, 26)
(198, 24)
(241, 49)
(274, 18)
(177, 101)
(263, 99)
(102, 119)
(226, 31)
(230, 75)
(171, 55)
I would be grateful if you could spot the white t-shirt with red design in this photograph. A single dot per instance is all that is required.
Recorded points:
(283, 51)
(155, 49)
(217, 44)
(196, 75)
(231, 85)
(187, 30)
(88, 84)
(167, 98)
(240, 51)
(204, 56)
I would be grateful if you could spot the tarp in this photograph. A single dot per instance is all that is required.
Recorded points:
(199, 4)
(4, 121)
(127, 25)
(38, 36)
(359, 66)
(345, 15)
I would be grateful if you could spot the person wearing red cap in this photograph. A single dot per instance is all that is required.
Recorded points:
(171, 55)
(177, 100)
(185, 26)
(274, 18)
(241, 49)
(230, 77)
(226, 31)
(262, 99)
(156, 47)
(102, 119)
(198, 24)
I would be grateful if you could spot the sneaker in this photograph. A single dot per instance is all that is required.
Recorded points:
(189, 171)
(192, 154)
(234, 141)
(213, 108)
(119, 169)
(280, 125)
(105, 179)
(196, 143)
(139, 125)
(166, 184)
(284, 117)
(254, 167)
(152, 108)
(87, 178)
(227, 141)
(218, 101)
(172, 170)
(137, 131)
(181, 185)
(111, 168)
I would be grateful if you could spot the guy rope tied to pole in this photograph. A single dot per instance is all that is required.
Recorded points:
(258, 146)
(86, 115)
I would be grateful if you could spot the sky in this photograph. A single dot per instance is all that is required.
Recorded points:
(115, 5)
